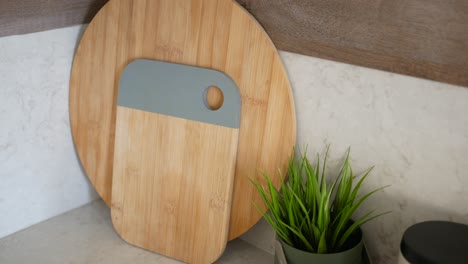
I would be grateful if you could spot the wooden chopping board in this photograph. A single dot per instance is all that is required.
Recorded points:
(174, 160)
(215, 34)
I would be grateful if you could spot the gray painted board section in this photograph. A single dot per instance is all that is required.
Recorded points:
(178, 90)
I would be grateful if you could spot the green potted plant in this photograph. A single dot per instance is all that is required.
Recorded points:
(312, 218)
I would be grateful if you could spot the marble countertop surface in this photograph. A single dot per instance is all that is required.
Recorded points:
(86, 235)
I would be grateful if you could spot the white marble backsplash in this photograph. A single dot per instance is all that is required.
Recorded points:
(40, 175)
(415, 131)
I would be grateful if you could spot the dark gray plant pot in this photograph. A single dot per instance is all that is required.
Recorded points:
(296, 256)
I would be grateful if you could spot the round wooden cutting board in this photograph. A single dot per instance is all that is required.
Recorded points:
(215, 34)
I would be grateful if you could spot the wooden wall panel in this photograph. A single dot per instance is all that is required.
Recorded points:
(26, 16)
(424, 38)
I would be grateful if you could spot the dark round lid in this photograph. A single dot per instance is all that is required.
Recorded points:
(436, 242)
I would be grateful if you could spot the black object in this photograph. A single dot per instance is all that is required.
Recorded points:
(436, 242)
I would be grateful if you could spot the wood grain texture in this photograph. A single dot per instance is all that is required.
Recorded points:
(216, 34)
(26, 16)
(172, 184)
(422, 38)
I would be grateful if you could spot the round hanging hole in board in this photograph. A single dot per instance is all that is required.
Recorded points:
(213, 98)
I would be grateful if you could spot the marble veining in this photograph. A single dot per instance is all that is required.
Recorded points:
(40, 175)
(414, 131)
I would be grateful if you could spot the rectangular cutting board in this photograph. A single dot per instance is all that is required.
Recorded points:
(174, 160)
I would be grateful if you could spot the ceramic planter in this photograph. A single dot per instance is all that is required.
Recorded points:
(350, 256)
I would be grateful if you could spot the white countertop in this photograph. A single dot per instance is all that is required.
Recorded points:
(86, 235)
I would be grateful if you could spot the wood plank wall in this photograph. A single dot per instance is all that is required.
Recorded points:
(423, 38)
(26, 16)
